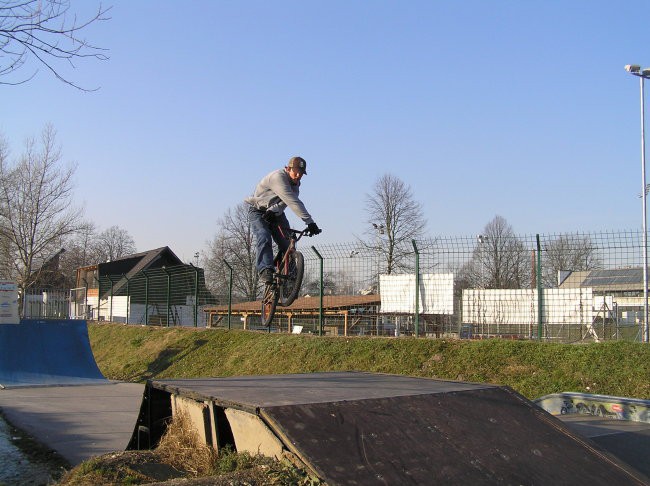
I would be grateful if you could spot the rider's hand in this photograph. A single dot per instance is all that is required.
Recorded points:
(269, 216)
(313, 229)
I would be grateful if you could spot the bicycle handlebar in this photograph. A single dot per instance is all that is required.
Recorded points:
(297, 234)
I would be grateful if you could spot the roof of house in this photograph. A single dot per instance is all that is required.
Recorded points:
(50, 260)
(620, 279)
(573, 280)
(130, 265)
(147, 258)
(46, 271)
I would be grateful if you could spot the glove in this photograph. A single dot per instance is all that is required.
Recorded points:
(269, 216)
(313, 229)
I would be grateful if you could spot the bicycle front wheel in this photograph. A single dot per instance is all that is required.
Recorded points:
(292, 280)
(269, 302)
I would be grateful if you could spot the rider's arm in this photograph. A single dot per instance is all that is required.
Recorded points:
(288, 194)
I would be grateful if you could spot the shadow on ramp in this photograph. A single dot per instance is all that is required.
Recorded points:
(365, 428)
(47, 352)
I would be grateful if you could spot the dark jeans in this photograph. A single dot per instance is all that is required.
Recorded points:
(265, 234)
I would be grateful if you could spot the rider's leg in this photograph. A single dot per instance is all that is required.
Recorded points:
(263, 240)
(278, 236)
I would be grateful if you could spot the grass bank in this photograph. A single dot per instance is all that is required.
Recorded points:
(136, 353)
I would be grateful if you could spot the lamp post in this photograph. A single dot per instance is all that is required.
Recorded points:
(643, 74)
(379, 228)
(482, 240)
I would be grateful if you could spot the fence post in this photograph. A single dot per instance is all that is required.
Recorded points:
(128, 296)
(540, 300)
(320, 305)
(168, 296)
(86, 316)
(23, 305)
(99, 297)
(417, 289)
(229, 291)
(196, 295)
(146, 297)
(110, 313)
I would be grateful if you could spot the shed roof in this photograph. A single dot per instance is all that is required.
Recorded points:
(129, 266)
(305, 304)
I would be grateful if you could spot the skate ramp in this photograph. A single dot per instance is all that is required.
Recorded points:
(363, 428)
(47, 352)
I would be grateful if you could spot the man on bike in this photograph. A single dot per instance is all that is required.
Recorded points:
(273, 194)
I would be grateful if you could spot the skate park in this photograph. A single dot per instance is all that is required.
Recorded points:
(346, 427)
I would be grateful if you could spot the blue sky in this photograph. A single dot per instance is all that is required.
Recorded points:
(514, 108)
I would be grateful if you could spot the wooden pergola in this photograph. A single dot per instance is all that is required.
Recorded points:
(333, 305)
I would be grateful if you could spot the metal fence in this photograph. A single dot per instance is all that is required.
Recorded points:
(45, 304)
(563, 287)
(173, 296)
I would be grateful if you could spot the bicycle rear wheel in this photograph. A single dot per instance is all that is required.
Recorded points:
(269, 302)
(292, 281)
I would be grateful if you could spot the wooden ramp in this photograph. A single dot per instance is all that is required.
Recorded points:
(355, 428)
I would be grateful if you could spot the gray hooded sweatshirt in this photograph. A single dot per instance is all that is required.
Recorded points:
(276, 192)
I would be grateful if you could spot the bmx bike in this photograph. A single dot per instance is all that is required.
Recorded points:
(287, 277)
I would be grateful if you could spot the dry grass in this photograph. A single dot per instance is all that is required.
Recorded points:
(182, 448)
(182, 458)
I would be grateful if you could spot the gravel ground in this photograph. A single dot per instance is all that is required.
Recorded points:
(23, 461)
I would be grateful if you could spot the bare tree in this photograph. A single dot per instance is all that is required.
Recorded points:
(112, 244)
(234, 244)
(499, 261)
(78, 251)
(36, 210)
(568, 252)
(47, 33)
(81, 245)
(395, 218)
(334, 283)
(7, 253)
(7, 268)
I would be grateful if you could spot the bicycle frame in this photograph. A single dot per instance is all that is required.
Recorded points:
(274, 293)
(294, 235)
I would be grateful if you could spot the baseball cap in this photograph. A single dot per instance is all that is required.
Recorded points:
(298, 163)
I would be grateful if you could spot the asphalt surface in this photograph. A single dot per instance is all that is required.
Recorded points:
(79, 422)
(628, 441)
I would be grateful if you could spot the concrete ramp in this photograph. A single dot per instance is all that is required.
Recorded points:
(364, 428)
(47, 352)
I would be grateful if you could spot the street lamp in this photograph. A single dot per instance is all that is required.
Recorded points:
(379, 228)
(643, 74)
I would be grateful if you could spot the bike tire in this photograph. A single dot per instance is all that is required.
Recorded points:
(292, 281)
(269, 303)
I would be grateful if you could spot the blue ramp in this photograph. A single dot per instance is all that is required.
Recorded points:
(47, 352)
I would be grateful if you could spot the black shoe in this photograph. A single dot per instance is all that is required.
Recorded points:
(266, 276)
